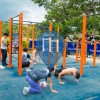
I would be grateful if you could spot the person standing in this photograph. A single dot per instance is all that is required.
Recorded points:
(4, 49)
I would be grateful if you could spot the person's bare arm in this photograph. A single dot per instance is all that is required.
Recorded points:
(74, 75)
(50, 84)
(59, 77)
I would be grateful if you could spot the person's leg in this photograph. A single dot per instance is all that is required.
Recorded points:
(34, 90)
(3, 57)
(34, 86)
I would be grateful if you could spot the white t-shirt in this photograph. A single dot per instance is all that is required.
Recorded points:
(3, 43)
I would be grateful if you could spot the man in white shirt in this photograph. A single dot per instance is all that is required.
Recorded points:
(4, 49)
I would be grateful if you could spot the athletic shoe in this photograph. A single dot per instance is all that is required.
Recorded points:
(28, 69)
(25, 90)
(2, 67)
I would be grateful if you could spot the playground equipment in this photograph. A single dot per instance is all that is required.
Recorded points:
(20, 23)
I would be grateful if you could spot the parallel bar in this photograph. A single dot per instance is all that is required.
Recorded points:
(82, 45)
(50, 43)
(57, 50)
(20, 44)
(0, 38)
(43, 44)
(94, 54)
(10, 43)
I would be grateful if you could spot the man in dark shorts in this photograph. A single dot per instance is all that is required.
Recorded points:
(4, 49)
(68, 72)
(33, 78)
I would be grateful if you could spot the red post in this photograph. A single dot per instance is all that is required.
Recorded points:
(20, 44)
(94, 54)
(0, 37)
(10, 43)
(82, 45)
(64, 54)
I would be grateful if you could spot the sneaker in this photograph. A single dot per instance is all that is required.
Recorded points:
(2, 67)
(25, 90)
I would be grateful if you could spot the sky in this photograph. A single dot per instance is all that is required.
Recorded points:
(31, 12)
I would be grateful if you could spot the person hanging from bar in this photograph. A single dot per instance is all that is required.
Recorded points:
(4, 49)
(68, 72)
(26, 60)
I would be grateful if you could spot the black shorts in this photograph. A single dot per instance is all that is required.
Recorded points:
(25, 64)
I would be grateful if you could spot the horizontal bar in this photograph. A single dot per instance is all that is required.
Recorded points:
(28, 21)
(15, 16)
(14, 57)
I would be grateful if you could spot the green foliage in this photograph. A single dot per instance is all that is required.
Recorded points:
(68, 14)
(5, 28)
(7, 39)
(97, 38)
(24, 43)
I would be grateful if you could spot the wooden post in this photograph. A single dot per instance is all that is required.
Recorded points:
(0, 37)
(64, 54)
(20, 44)
(33, 27)
(82, 45)
(94, 54)
(76, 52)
(10, 43)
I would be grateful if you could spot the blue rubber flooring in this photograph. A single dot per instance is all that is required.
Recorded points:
(88, 87)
